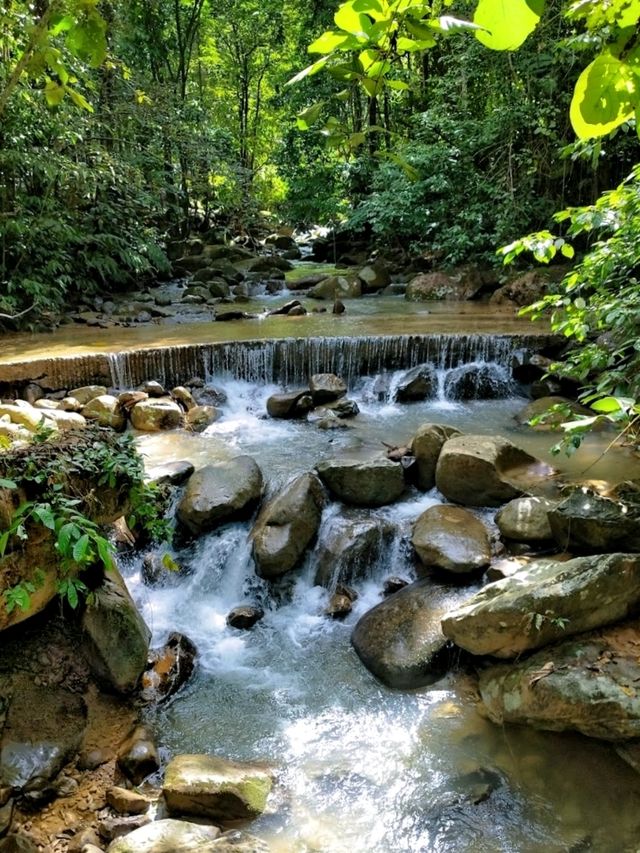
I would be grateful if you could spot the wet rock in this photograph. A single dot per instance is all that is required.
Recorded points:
(394, 584)
(170, 668)
(440, 287)
(209, 395)
(138, 755)
(32, 393)
(336, 287)
(127, 802)
(523, 290)
(128, 399)
(184, 397)
(116, 826)
(368, 483)
(526, 519)
(338, 307)
(85, 841)
(374, 277)
(586, 684)
(328, 421)
(339, 606)
(326, 388)
(106, 411)
(91, 759)
(170, 473)
(227, 316)
(298, 311)
(400, 641)
(116, 636)
(87, 393)
(478, 470)
(342, 409)
(42, 732)
(281, 241)
(268, 263)
(216, 788)
(244, 617)
(478, 382)
(219, 493)
(284, 309)
(287, 525)
(587, 522)
(544, 602)
(169, 836)
(425, 447)
(163, 300)
(543, 404)
(421, 383)
(350, 546)
(156, 415)
(451, 539)
(294, 404)
(153, 388)
(69, 404)
(199, 418)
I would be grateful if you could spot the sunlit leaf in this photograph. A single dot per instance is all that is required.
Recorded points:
(506, 24)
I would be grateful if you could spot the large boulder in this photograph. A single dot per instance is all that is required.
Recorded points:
(43, 731)
(587, 522)
(369, 483)
(374, 277)
(425, 446)
(451, 539)
(526, 519)
(155, 415)
(480, 470)
(420, 383)
(350, 544)
(87, 393)
(336, 287)
(478, 382)
(219, 493)
(438, 286)
(286, 526)
(544, 602)
(400, 641)
(216, 788)
(292, 404)
(168, 836)
(107, 411)
(116, 636)
(326, 388)
(587, 684)
(523, 290)
(269, 263)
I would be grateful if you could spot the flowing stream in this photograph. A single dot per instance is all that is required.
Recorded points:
(361, 768)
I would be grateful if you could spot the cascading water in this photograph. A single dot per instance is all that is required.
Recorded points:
(360, 767)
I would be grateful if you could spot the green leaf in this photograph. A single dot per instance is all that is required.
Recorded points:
(605, 97)
(104, 551)
(7, 484)
(351, 21)
(79, 100)
(330, 41)
(568, 251)
(309, 71)
(398, 85)
(309, 116)
(53, 93)
(81, 548)
(45, 516)
(506, 24)
(4, 541)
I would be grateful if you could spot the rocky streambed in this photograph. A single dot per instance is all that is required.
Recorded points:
(366, 577)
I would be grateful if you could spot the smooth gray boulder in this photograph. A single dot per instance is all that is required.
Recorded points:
(451, 539)
(326, 388)
(155, 415)
(350, 545)
(213, 787)
(426, 445)
(480, 470)
(293, 404)
(168, 836)
(544, 602)
(401, 642)
(287, 525)
(116, 638)
(367, 483)
(526, 519)
(220, 492)
(587, 522)
(587, 684)
(106, 411)
(419, 383)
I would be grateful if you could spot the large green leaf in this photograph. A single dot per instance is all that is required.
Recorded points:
(329, 42)
(507, 23)
(352, 21)
(605, 97)
(309, 71)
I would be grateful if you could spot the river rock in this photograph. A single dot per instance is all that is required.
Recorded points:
(587, 684)
(368, 483)
(138, 755)
(544, 602)
(294, 404)
(244, 617)
(542, 404)
(213, 787)
(116, 636)
(336, 287)
(127, 802)
(478, 382)
(65, 420)
(479, 470)
(339, 606)
(350, 544)
(374, 277)
(587, 522)
(169, 836)
(112, 826)
(268, 263)
(199, 418)
(153, 388)
(107, 411)
(170, 473)
(394, 584)
(68, 404)
(128, 399)
(154, 415)
(425, 447)
(170, 668)
(451, 539)
(219, 493)
(526, 519)
(25, 416)
(420, 383)
(327, 388)
(87, 393)
(18, 844)
(523, 290)
(184, 397)
(438, 286)
(287, 525)
(43, 731)
(400, 641)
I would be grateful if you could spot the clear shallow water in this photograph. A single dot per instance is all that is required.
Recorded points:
(360, 767)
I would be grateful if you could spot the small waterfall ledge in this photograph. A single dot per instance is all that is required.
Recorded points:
(287, 361)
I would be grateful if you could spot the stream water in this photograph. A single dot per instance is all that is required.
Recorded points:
(361, 768)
